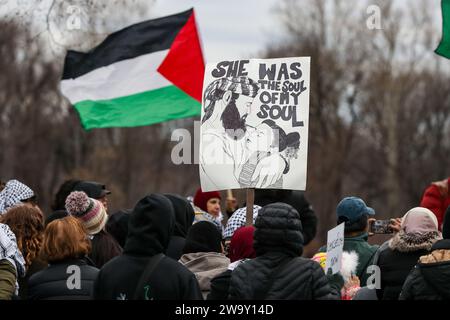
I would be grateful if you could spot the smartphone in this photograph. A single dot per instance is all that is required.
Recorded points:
(381, 227)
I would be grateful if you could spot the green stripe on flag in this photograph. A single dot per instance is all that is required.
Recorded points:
(145, 108)
(444, 47)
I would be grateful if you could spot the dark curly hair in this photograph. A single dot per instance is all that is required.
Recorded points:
(27, 223)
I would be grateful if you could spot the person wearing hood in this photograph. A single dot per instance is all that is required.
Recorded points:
(279, 271)
(117, 225)
(430, 277)
(241, 249)
(143, 271)
(296, 199)
(203, 254)
(15, 193)
(12, 264)
(264, 197)
(184, 216)
(418, 232)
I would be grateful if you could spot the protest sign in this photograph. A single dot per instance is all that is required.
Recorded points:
(254, 131)
(335, 247)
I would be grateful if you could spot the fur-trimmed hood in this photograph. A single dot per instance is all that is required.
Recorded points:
(409, 242)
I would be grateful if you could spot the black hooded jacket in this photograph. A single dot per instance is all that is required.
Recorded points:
(184, 216)
(150, 228)
(278, 271)
(430, 278)
(296, 199)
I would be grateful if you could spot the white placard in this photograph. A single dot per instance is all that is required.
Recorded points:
(335, 247)
(254, 131)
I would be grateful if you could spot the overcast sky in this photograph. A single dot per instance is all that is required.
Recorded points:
(229, 29)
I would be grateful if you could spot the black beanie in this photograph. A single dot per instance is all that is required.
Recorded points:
(203, 236)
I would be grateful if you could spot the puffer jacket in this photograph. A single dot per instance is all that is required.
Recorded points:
(399, 258)
(296, 199)
(51, 283)
(278, 271)
(430, 278)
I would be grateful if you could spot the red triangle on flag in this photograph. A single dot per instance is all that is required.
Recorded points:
(184, 65)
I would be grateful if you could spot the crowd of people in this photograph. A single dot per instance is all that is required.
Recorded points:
(169, 247)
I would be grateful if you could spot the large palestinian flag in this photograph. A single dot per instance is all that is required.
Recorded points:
(147, 73)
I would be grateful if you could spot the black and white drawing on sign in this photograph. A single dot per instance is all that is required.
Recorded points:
(252, 124)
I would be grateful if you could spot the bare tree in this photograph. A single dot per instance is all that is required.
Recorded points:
(378, 108)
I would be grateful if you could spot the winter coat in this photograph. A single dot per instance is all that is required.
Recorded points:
(219, 286)
(35, 267)
(365, 253)
(298, 201)
(52, 282)
(184, 217)
(12, 263)
(395, 263)
(205, 266)
(8, 279)
(278, 271)
(433, 200)
(430, 278)
(150, 228)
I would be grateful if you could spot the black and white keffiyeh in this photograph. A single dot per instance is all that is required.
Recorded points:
(238, 219)
(10, 252)
(13, 193)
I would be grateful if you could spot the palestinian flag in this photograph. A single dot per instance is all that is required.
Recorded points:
(147, 73)
(444, 46)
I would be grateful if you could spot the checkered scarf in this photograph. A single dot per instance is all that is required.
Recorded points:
(13, 193)
(216, 89)
(239, 85)
(10, 252)
(238, 219)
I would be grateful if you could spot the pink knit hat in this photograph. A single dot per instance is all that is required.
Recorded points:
(419, 220)
(90, 211)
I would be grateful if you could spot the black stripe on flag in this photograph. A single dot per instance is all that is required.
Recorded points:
(130, 42)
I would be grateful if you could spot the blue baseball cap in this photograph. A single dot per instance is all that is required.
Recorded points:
(353, 208)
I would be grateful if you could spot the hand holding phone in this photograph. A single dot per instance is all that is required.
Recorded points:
(381, 227)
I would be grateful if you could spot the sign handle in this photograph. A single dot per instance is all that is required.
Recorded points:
(250, 201)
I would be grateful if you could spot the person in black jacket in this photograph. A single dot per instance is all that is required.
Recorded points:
(241, 248)
(418, 232)
(150, 228)
(430, 278)
(279, 271)
(184, 216)
(68, 277)
(296, 199)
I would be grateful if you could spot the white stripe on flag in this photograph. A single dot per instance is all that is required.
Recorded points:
(119, 79)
